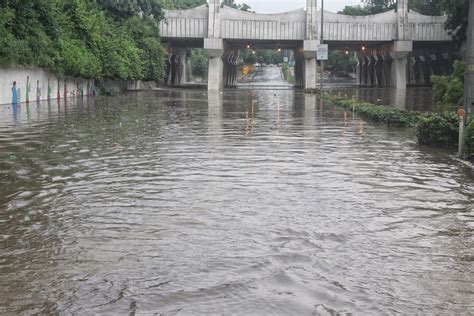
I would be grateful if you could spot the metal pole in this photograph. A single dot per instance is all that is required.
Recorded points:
(461, 137)
(469, 76)
(322, 38)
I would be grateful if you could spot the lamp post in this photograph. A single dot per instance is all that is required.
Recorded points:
(321, 42)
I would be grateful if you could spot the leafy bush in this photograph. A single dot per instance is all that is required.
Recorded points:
(438, 130)
(377, 113)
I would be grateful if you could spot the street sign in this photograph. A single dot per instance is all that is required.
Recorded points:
(322, 52)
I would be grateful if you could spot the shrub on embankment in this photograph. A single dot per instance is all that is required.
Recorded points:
(470, 140)
(89, 39)
(438, 130)
(431, 128)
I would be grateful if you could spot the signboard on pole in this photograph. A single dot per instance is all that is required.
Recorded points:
(322, 52)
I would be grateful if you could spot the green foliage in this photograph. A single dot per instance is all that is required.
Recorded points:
(449, 90)
(438, 130)
(377, 113)
(232, 4)
(95, 38)
(7, 55)
(287, 73)
(266, 56)
(340, 62)
(181, 4)
(433, 8)
(456, 10)
(469, 144)
(359, 10)
(198, 61)
(126, 9)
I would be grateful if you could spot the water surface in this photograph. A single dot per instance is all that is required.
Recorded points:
(248, 202)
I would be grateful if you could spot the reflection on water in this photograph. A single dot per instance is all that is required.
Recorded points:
(412, 99)
(246, 202)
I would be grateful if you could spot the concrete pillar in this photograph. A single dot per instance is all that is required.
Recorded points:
(214, 26)
(215, 76)
(399, 54)
(370, 70)
(359, 72)
(215, 50)
(299, 68)
(364, 71)
(180, 54)
(309, 53)
(387, 64)
(378, 69)
(469, 76)
(312, 24)
(399, 73)
(310, 74)
(402, 20)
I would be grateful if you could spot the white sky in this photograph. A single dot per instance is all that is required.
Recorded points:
(272, 6)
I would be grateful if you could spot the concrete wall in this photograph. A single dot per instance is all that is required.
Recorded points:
(427, 28)
(20, 75)
(378, 27)
(192, 23)
(237, 24)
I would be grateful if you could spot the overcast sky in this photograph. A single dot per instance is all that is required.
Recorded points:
(271, 6)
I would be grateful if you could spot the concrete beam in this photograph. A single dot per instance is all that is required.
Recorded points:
(311, 20)
(214, 19)
(214, 47)
(402, 20)
(310, 48)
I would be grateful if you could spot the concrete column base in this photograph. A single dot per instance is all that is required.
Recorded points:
(399, 73)
(215, 74)
(310, 74)
(400, 52)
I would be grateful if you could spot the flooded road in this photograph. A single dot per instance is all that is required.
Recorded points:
(247, 202)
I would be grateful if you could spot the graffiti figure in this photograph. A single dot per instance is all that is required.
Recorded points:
(49, 91)
(28, 89)
(14, 94)
(59, 88)
(18, 93)
(38, 91)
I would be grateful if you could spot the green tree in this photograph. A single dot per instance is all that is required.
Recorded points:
(456, 10)
(232, 4)
(87, 38)
(340, 62)
(449, 90)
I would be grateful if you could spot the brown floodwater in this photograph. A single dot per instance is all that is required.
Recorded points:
(253, 201)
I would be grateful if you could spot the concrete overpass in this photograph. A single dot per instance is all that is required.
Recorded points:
(394, 48)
